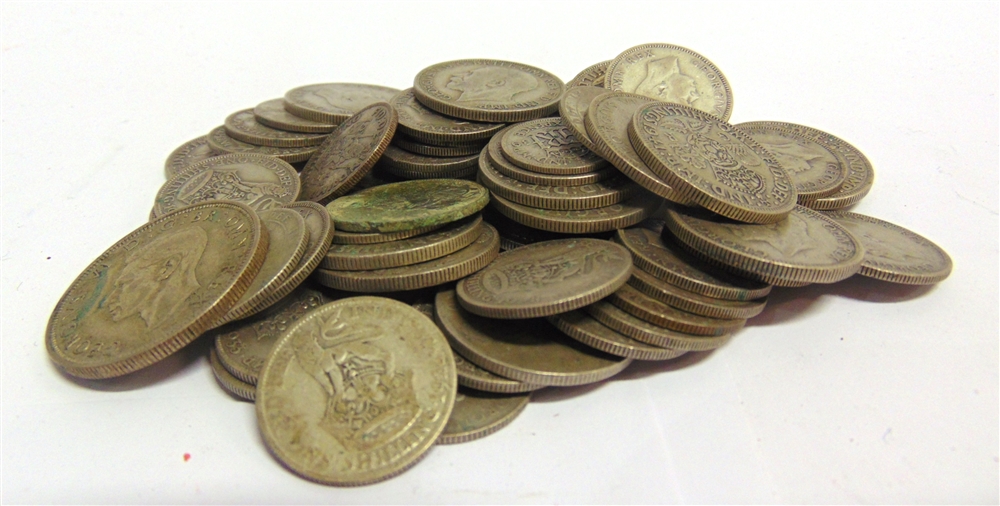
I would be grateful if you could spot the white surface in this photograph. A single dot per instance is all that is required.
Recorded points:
(856, 392)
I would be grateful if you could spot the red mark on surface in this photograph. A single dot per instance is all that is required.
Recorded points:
(187, 457)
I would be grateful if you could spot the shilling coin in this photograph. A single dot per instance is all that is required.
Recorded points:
(416, 147)
(546, 278)
(273, 114)
(356, 391)
(427, 125)
(446, 240)
(349, 153)
(479, 414)
(590, 76)
(531, 350)
(585, 221)
(156, 290)
(230, 383)
(335, 102)
(642, 306)
(641, 330)
(573, 111)
(320, 228)
(860, 178)
(712, 163)
(407, 205)
(494, 155)
(893, 253)
(406, 164)
(243, 126)
(488, 90)
(189, 153)
(220, 141)
(522, 234)
(593, 333)
(548, 146)
(376, 237)
(673, 74)
(694, 302)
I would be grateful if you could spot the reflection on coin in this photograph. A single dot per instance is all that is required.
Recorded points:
(334, 102)
(243, 126)
(588, 196)
(591, 332)
(410, 204)
(694, 302)
(642, 306)
(220, 141)
(448, 239)
(425, 124)
(356, 391)
(230, 383)
(273, 114)
(586, 221)
(573, 111)
(191, 152)
(377, 237)
(590, 76)
(646, 332)
(494, 155)
(859, 180)
(548, 146)
(156, 290)
(479, 414)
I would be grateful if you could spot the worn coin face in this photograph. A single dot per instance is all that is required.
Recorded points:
(156, 290)
(548, 146)
(446, 240)
(488, 90)
(893, 253)
(578, 325)
(335, 102)
(273, 114)
(220, 141)
(590, 76)
(641, 330)
(692, 302)
(356, 391)
(546, 278)
(258, 181)
(493, 155)
(584, 221)
(425, 124)
(189, 153)
(243, 126)
(712, 163)
(409, 204)
(573, 111)
(674, 74)
(479, 414)
(228, 382)
(860, 178)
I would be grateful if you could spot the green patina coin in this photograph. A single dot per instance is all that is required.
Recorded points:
(407, 205)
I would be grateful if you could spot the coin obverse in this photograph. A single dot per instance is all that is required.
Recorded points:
(191, 152)
(427, 125)
(335, 102)
(590, 76)
(548, 146)
(273, 114)
(408, 204)
(860, 178)
(479, 414)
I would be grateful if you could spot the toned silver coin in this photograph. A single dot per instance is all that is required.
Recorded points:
(335, 102)
(693, 302)
(548, 146)
(573, 111)
(406, 205)
(189, 153)
(243, 126)
(427, 125)
(590, 76)
(273, 114)
(356, 391)
(585, 221)
(546, 278)
(522, 235)
(403, 163)
(893, 253)
(227, 381)
(674, 74)
(444, 241)
(659, 313)
(258, 181)
(408, 144)
(376, 238)
(349, 153)
(579, 326)
(860, 178)
(805, 247)
(492, 91)
(479, 414)
(494, 155)
(320, 228)
(531, 350)
(641, 330)
(422, 275)
(156, 290)
(220, 141)
(712, 163)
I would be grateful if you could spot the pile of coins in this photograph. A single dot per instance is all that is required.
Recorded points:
(636, 224)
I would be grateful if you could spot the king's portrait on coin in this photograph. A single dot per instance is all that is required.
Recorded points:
(665, 81)
(491, 84)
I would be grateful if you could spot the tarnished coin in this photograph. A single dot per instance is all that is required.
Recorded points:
(860, 177)
(548, 146)
(444, 241)
(425, 124)
(410, 204)
(479, 414)
(320, 228)
(258, 181)
(273, 114)
(156, 290)
(220, 141)
(230, 383)
(191, 152)
(641, 330)
(673, 74)
(692, 302)
(642, 306)
(243, 126)
(712, 163)
(377, 237)
(403, 163)
(488, 90)
(531, 350)
(422, 275)
(585, 221)
(335, 102)
(573, 111)
(588, 196)
(893, 253)
(494, 155)
(413, 146)
(347, 155)
(590, 76)
(815, 167)
(579, 326)
(356, 391)
(546, 278)
(521, 235)
(805, 247)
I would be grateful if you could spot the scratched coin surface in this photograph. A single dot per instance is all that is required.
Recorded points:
(578, 325)
(546, 278)
(426, 124)
(335, 102)
(860, 177)
(259, 181)
(573, 111)
(243, 126)
(446, 240)
(494, 156)
(156, 290)
(590, 76)
(588, 196)
(273, 114)
(491, 91)
(220, 141)
(673, 74)
(349, 153)
(582, 221)
(548, 146)
(356, 391)
(479, 414)
(893, 253)
(191, 152)
(408, 204)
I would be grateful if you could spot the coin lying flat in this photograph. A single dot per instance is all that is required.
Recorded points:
(356, 391)
(425, 124)
(712, 163)
(529, 350)
(156, 290)
(590, 76)
(548, 146)
(377, 237)
(220, 141)
(243, 126)
(272, 113)
(334, 102)
(320, 228)
(479, 414)
(491, 91)
(191, 152)
(403, 163)
(893, 253)
(642, 306)
(349, 153)
(546, 278)
(417, 147)
(860, 178)
(230, 383)
(583, 328)
(692, 302)
(573, 111)
(406, 205)
(673, 74)
(494, 155)
(641, 330)
(584, 221)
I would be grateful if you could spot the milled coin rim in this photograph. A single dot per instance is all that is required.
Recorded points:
(391, 159)
(310, 259)
(277, 139)
(289, 155)
(849, 194)
(305, 112)
(667, 316)
(317, 127)
(692, 302)
(453, 237)
(471, 435)
(397, 221)
(342, 237)
(230, 383)
(643, 205)
(493, 383)
(182, 151)
(496, 157)
(641, 330)
(580, 79)
(485, 132)
(580, 131)
(568, 323)
(408, 144)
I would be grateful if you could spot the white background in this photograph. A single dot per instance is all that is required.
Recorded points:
(856, 392)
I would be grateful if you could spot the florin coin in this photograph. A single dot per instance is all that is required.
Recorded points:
(488, 90)
(479, 414)
(156, 290)
(243, 126)
(228, 382)
(588, 196)
(403, 163)
(573, 111)
(376, 237)
(673, 74)
(447, 240)
(356, 391)
(586, 221)
(191, 152)
(419, 148)
(273, 114)
(860, 178)
(548, 146)
(590, 76)
(694, 302)
(320, 228)
(335, 102)
(406, 205)
(495, 157)
(220, 141)
(646, 332)
(349, 153)
(658, 313)
(529, 350)
(546, 278)
(579, 326)
(427, 125)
